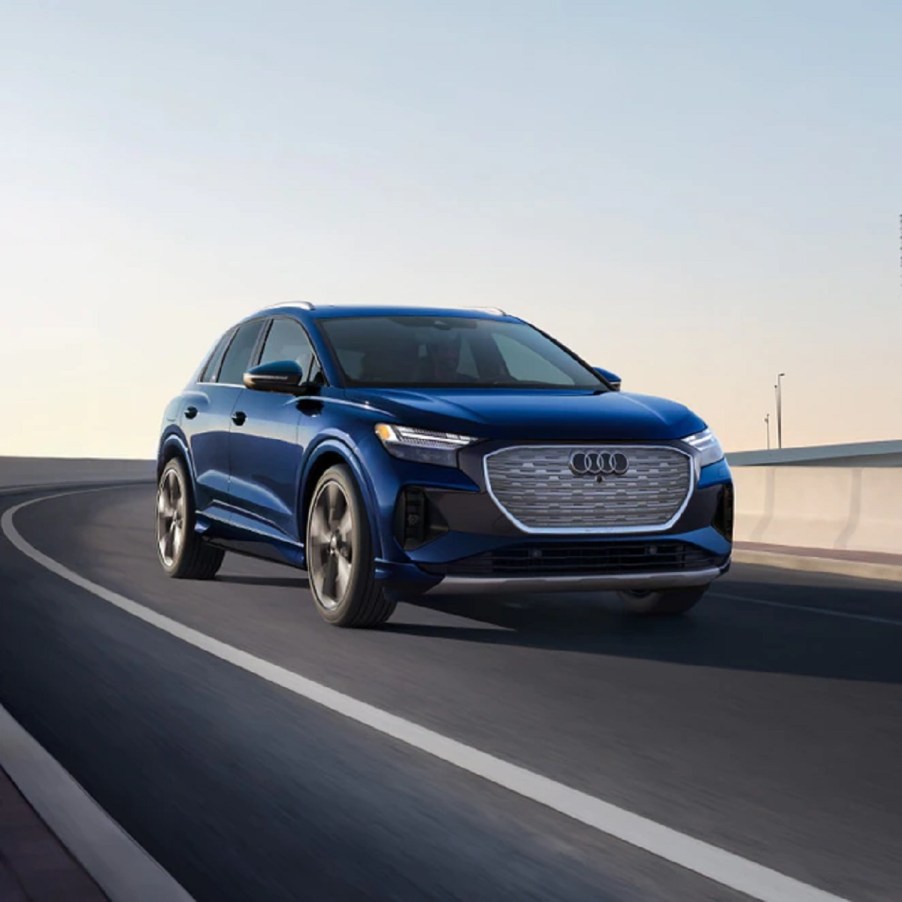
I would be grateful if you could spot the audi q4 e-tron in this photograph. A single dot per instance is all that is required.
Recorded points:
(397, 452)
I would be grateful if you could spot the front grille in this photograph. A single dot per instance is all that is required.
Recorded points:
(535, 486)
(581, 558)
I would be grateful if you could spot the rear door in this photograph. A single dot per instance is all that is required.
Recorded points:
(207, 416)
(265, 451)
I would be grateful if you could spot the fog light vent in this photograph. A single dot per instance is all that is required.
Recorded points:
(417, 518)
(724, 515)
(414, 514)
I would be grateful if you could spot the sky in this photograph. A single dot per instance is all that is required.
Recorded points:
(696, 195)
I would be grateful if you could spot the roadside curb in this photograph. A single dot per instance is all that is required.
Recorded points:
(34, 864)
(814, 564)
(120, 868)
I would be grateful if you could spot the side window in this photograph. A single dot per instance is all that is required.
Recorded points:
(527, 365)
(212, 367)
(287, 340)
(239, 353)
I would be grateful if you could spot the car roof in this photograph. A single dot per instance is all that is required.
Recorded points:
(305, 310)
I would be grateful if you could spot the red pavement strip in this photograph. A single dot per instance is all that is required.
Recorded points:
(34, 866)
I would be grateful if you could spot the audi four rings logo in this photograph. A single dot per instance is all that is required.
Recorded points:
(599, 464)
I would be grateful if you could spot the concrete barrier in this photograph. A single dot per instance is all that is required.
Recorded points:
(827, 507)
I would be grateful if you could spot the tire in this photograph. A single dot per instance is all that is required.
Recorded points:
(339, 552)
(183, 554)
(666, 602)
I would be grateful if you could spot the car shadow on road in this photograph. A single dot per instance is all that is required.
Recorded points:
(719, 632)
(284, 582)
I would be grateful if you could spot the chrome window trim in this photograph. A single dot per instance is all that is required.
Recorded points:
(593, 530)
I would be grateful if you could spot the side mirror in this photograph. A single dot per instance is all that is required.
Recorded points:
(611, 378)
(279, 375)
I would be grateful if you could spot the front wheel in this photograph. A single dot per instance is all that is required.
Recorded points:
(339, 554)
(665, 602)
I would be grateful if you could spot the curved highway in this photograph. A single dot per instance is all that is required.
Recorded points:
(766, 725)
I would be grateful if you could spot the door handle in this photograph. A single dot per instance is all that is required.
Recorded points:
(191, 412)
(238, 417)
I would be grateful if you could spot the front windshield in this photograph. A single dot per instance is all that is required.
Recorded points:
(451, 352)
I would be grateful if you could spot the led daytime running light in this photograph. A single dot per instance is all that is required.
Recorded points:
(706, 446)
(421, 438)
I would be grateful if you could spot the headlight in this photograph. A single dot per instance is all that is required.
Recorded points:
(422, 445)
(707, 448)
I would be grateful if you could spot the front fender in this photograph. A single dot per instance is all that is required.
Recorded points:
(332, 445)
(173, 439)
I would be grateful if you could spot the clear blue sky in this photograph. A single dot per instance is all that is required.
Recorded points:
(697, 195)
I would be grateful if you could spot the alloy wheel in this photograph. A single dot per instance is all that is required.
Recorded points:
(330, 554)
(171, 516)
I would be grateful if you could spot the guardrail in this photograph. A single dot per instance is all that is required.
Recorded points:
(858, 454)
(49, 471)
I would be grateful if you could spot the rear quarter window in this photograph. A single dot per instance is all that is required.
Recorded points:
(208, 373)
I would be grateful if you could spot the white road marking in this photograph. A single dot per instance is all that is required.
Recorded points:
(805, 609)
(727, 868)
(122, 869)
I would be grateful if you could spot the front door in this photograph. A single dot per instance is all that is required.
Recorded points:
(206, 417)
(265, 451)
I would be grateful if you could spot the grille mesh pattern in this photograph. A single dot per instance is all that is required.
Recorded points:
(535, 486)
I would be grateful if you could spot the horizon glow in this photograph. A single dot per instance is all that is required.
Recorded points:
(695, 198)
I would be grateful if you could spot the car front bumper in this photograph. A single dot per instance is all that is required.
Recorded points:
(478, 550)
(607, 582)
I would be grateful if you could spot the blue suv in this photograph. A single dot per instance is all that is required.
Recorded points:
(395, 452)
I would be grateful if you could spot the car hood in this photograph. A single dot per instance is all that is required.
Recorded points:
(523, 414)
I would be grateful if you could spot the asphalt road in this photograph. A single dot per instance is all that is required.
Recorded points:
(768, 730)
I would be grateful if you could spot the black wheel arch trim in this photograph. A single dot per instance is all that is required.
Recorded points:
(177, 441)
(333, 446)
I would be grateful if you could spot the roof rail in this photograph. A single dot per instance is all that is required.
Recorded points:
(305, 305)
(496, 310)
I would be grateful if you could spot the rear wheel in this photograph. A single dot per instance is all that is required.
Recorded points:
(339, 554)
(663, 602)
(182, 552)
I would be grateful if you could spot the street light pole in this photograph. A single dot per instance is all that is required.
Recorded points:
(779, 389)
(777, 399)
(767, 426)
